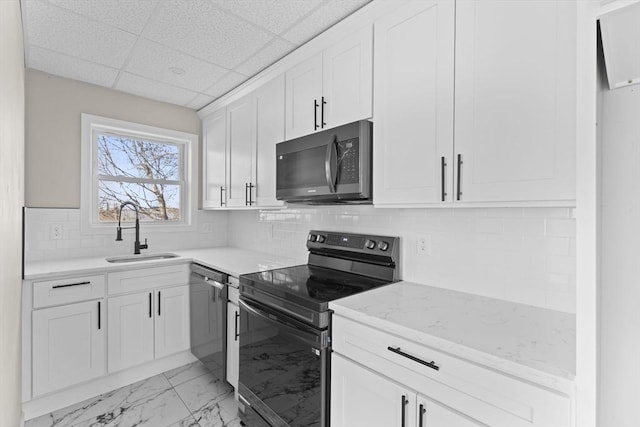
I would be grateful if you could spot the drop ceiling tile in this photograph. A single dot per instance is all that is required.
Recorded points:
(322, 18)
(274, 15)
(225, 84)
(265, 57)
(72, 68)
(200, 101)
(154, 90)
(128, 15)
(155, 61)
(200, 29)
(62, 31)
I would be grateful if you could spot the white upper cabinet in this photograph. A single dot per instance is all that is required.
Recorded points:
(304, 97)
(346, 80)
(269, 101)
(240, 149)
(214, 132)
(513, 139)
(241, 145)
(515, 100)
(331, 88)
(413, 110)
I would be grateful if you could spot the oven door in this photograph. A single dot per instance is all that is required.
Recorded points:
(284, 368)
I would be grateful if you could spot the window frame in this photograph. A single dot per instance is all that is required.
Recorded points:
(92, 125)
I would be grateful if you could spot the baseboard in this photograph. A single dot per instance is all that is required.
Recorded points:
(42, 405)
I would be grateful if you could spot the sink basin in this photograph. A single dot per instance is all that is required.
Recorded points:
(143, 257)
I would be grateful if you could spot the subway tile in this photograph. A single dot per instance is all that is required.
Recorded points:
(524, 226)
(489, 225)
(561, 264)
(558, 245)
(560, 228)
(547, 212)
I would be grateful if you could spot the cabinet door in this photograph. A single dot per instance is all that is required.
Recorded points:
(241, 128)
(432, 414)
(515, 99)
(303, 93)
(360, 397)
(269, 131)
(214, 134)
(233, 345)
(68, 345)
(413, 104)
(172, 321)
(130, 331)
(347, 80)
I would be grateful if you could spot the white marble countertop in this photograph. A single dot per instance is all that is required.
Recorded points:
(524, 341)
(229, 260)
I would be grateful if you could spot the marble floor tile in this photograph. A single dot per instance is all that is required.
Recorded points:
(185, 373)
(161, 410)
(190, 421)
(211, 401)
(105, 403)
(189, 396)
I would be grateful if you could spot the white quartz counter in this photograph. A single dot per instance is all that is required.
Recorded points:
(528, 342)
(232, 261)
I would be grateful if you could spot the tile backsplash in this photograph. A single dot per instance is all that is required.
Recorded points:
(526, 255)
(40, 244)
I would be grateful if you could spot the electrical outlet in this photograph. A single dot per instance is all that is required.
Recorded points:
(207, 227)
(56, 232)
(423, 244)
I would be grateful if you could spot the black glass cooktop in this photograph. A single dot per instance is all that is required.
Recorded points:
(309, 285)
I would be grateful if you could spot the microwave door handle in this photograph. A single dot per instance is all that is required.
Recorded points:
(331, 163)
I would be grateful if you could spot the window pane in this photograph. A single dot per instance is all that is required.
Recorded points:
(130, 157)
(155, 202)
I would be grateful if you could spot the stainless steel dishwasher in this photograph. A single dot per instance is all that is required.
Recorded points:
(208, 312)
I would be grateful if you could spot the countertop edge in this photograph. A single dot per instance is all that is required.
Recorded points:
(554, 381)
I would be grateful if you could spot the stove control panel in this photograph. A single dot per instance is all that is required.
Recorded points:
(352, 242)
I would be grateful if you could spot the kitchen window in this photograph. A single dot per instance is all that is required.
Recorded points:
(128, 162)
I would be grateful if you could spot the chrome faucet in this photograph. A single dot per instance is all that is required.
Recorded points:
(137, 246)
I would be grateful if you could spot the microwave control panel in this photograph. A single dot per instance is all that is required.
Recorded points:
(348, 161)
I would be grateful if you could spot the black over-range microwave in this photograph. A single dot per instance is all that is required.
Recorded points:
(332, 166)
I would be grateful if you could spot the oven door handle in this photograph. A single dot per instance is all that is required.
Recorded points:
(331, 163)
(308, 336)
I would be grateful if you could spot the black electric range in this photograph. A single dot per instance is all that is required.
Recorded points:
(285, 333)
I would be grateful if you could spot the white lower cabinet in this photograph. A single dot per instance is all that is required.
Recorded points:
(147, 325)
(361, 397)
(233, 343)
(68, 345)
(172, 321)
(130, 330)
(394, 376)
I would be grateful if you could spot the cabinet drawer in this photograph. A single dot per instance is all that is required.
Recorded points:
(147, 278)
(67, 290)
(483, 394)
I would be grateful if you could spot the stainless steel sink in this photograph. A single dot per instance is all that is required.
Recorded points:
(145, 257)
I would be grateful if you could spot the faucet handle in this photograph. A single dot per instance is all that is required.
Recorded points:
(146, 245)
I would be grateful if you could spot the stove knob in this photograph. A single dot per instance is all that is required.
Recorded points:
(370, 244)
(383, 246)
(313, 237)
(321, 238)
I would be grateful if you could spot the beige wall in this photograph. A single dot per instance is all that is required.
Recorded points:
(11, 201)
(53, 108)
